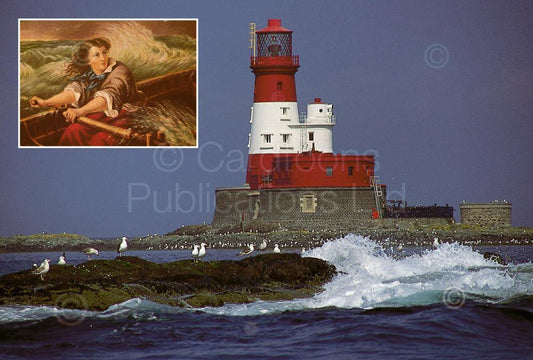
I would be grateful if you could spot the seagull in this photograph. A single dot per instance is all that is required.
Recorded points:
(202, 251)
(303, 251)
(435, 242)
(276, 249)
(90, 252)
(123, 246)
(195, 253)
(247, 251)
(263, 245)
(62, 260)
(43, 269)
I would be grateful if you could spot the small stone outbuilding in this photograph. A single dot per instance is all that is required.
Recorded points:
(493, 214)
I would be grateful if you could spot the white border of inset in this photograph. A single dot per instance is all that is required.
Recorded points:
(108, 147)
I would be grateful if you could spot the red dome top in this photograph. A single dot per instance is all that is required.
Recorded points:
(274, 26)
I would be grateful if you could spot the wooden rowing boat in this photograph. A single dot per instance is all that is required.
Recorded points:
(46, 128)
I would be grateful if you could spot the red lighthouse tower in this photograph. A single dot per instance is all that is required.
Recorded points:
(287, 148)
(275, 65)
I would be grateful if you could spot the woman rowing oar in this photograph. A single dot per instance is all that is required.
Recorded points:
(99, 89)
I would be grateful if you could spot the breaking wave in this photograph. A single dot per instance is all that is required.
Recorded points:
(369, 277)
(177, 122)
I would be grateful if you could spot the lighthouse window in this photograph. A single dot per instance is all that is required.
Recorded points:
(280, 83)
(329, 171)
(311, 136)
(350, 170)
(285, 138)
(268, 138)
(285, 110)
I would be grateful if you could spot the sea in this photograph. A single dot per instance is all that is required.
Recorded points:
(443, 302)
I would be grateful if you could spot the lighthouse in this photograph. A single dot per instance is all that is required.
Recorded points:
(293, 176)
(287, 148)
(274, 113)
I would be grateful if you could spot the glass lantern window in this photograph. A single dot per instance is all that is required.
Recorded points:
(274, 44)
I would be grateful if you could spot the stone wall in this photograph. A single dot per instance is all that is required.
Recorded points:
(486, 214)
(234, 205)
(309, 208)
(316, 207)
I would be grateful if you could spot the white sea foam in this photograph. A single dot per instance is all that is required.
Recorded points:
(10, 314)
(136, 308)
(370, 278)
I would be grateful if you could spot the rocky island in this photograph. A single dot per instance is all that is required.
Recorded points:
(98, 284)
(413, 233)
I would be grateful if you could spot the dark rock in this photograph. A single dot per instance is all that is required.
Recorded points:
(98, 284)
(494, 257)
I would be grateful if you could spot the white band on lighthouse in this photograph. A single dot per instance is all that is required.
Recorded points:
(278, 128)
(271, 130)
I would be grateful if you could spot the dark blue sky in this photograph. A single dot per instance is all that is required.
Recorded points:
(440, 91)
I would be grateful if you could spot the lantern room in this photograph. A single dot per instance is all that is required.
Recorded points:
(273, 63)
(274, 47)
(274, 40)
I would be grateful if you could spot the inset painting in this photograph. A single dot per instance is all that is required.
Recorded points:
(108, 83)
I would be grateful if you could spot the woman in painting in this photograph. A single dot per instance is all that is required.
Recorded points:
(99, 89)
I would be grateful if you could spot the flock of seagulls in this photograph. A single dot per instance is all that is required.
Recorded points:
(198, 252)
(262, 247)
(90, 251)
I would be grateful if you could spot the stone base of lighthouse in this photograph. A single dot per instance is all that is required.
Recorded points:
(296, 208)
